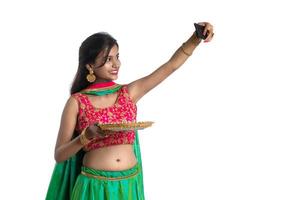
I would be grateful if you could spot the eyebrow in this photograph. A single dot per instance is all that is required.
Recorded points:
(112, 56)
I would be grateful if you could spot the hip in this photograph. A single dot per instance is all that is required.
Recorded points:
(109, 185)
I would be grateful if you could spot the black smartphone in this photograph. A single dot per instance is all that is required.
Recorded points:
(199, 31)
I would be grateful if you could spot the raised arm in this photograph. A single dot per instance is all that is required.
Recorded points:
(138, 88)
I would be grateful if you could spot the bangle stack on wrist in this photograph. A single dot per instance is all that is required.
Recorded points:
(83, 139)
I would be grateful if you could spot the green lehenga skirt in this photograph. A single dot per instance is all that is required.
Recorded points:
(109, 185)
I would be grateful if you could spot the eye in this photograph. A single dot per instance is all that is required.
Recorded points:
(108, 59)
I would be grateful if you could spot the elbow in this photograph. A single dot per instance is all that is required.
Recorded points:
(58, 157)
(57, 160)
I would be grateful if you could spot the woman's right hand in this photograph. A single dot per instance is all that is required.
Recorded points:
(95, 131)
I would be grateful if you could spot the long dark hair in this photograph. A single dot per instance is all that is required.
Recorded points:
(88, 52)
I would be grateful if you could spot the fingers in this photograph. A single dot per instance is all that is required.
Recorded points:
(102, 133)
(207, 29)
(209, 37)
(96, 131)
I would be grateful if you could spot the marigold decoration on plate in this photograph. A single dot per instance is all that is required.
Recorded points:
(125, 126)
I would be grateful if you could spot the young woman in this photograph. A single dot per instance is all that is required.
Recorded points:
(90, 163)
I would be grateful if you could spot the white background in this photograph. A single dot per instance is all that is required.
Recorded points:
(226, 123)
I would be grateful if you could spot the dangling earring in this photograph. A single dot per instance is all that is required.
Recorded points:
(91, 77)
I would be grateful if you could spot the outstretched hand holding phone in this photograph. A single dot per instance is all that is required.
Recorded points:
(203, 31)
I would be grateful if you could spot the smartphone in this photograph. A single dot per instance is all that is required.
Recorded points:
(199, 31)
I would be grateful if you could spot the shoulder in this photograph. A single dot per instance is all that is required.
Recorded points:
(75, 96)
(132, 90)
(72, 103)
(125, 89)
(73, 99)
(128, 91)
(79, 98)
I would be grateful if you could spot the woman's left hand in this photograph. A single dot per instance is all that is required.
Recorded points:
(208, 28)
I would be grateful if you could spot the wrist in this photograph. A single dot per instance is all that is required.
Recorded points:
(84, 140)
(182, 48)
(194, 40)
(189, 46)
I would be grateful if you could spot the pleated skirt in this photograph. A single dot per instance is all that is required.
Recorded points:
(92, 184)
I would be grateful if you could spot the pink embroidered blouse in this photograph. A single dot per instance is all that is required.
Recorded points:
(124, 110)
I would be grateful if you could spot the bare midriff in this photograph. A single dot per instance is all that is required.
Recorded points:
(111, 158)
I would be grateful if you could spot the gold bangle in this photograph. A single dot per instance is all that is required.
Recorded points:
(83, 139)
(182, 49)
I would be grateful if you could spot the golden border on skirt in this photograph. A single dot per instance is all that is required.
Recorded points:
(109, 178)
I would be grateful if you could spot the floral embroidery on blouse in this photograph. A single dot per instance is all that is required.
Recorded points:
(124, 110)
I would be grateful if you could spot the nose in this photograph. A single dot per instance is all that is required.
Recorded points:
(116, 63)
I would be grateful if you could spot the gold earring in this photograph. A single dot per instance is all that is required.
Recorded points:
(91, 77)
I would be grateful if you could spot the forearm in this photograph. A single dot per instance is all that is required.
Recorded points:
(184, 51)
(67, 150)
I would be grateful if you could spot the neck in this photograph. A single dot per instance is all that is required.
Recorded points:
(102, 80)
(101, 88)
(101, 84)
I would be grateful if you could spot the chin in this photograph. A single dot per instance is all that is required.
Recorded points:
(111, 78)
(114, 77)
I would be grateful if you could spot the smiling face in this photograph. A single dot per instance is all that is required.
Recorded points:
(109, 70)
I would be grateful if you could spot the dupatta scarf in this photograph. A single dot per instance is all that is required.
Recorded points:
(65, 173)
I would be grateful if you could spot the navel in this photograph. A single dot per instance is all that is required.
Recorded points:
(118, 160)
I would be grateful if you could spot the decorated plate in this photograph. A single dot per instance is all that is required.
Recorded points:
(127, 126)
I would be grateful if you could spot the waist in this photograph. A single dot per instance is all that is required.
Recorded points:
(116, 157)
(111, 175)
